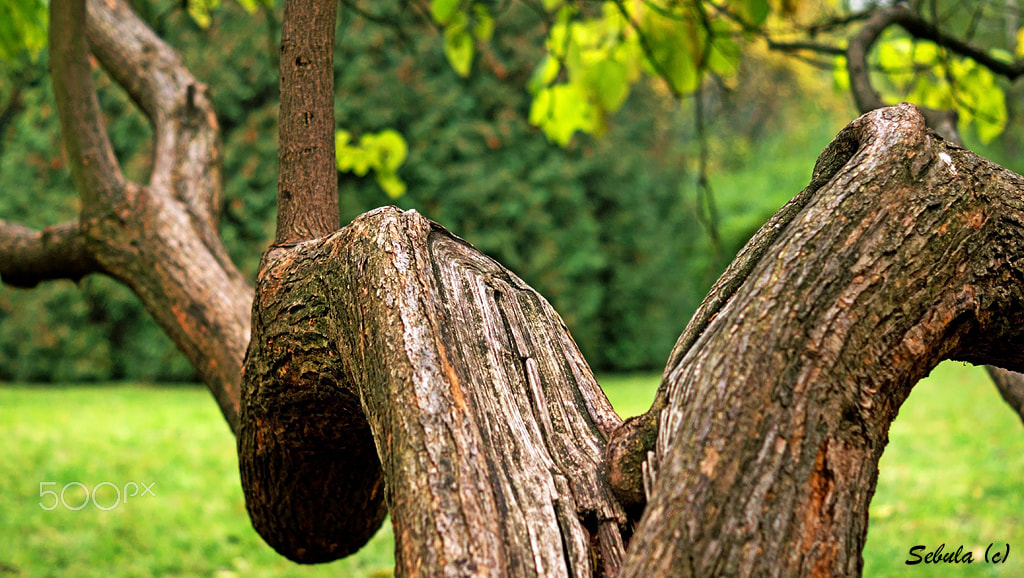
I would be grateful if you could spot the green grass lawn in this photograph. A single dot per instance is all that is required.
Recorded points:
(953, 474)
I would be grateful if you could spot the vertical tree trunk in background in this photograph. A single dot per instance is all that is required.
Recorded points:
(307, 185)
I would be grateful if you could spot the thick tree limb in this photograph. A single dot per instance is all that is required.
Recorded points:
(629, 446)
(943, 121)
(29, 257)
(307, 187)
(767, 451)
(489, 425)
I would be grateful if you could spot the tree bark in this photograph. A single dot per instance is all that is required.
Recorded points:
(159, 238)
(773, 417)
(307, 187)
(393, 364)
(489, 425)
(1009, 384)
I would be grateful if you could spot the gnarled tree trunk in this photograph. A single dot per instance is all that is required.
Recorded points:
(773, 412)
(772, 418)
(489, 425)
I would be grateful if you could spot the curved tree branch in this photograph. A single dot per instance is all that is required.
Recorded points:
(864, 94)
(29, 257)
(94, 167)
(1010, 385)
(767, 447)
(187, 154)
(160, 240)
(867, 98)
(920, 28)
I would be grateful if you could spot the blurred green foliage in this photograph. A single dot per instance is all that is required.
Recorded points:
(604, 228)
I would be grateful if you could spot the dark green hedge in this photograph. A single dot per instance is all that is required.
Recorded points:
(603, 228)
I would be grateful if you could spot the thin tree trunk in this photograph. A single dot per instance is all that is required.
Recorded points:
(307, 186)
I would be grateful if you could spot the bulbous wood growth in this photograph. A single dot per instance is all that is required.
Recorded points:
(489, 425)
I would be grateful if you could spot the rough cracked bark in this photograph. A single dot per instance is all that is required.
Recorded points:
(773, 417)
(1010, 384)
(489, 425)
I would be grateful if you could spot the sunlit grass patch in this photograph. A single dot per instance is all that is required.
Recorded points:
(953, 473)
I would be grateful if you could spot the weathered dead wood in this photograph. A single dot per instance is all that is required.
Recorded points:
(489, 424)
(776, 414)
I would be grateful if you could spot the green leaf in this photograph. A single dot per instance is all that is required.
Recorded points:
(483, 29)
(840, 74)
(980, 99)
(251, 6)
(751, 11)
(392, 185)
(200, 11)
(540, 108)
(558, 34)
(391, 149)
(23, 26)
(926, 53)
(674, 44)
(610, 83)
(458, 45)
(562, 110)
(543, 75)
(443, 10)
(724, 57)
(383, 152)
(895, 53)
(682, 72)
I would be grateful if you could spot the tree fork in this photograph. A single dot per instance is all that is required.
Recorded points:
(158, 238)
